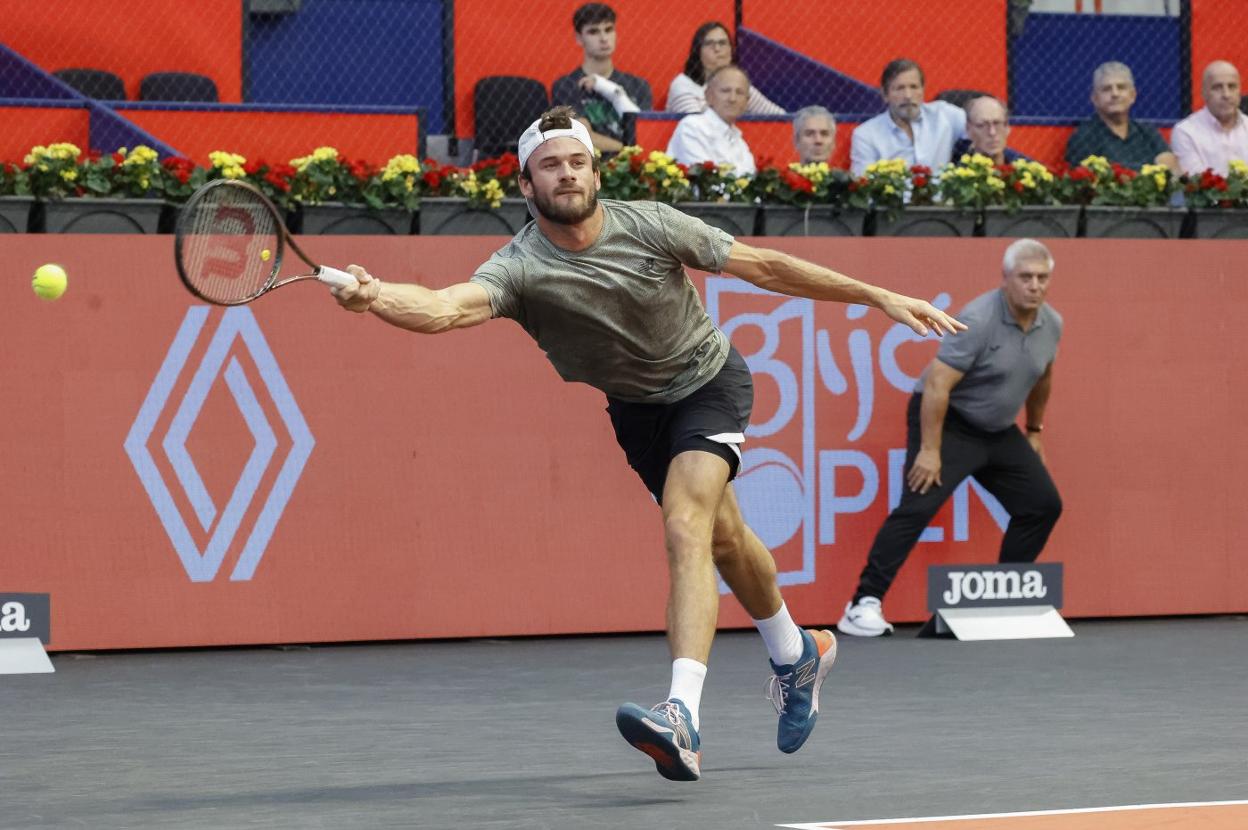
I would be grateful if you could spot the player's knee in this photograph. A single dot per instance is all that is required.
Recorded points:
(728, 543)
(685, 530)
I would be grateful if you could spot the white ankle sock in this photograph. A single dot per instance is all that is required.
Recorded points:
(687, 678)
(782, 636)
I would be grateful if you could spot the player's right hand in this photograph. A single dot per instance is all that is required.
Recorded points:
(358, 297)
(925, 473)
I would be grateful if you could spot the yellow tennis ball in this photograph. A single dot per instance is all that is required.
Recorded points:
(50, 282)
(265, 254)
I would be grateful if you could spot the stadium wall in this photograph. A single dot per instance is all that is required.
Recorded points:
(181, 476)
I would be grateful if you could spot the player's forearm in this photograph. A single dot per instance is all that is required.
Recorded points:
(932, 413)
(1038, 400)
(415, 308)
(786, 274)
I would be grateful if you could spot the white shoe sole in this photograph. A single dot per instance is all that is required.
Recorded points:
(848, 626)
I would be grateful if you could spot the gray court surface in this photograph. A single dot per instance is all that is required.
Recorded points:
(520, 733)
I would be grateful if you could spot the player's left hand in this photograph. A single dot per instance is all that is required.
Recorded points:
(358, 297)
(920, 315)
(1033, 438)
(587, 83)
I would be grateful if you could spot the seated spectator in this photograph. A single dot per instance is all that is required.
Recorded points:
(1211, 137)
(987, 129)
(599, 92)
(911, 130)
(712, 135)
(1112, 132)
(814, 135)
(712, 48)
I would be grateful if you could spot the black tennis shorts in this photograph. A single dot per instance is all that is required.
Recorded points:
(712, 419)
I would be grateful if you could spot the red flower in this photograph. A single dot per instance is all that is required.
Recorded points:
(277, 181)
(1018, 187)
(1220, 186)
(708, 166)
(253, 167)
(118, 158)
(635, 163)
(920, 181)
(920, 170)
(684, 168)
(433, 179)
(1006, 169)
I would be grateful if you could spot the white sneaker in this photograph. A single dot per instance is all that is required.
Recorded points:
(864, 618)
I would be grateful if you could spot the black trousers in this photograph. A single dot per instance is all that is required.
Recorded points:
(1002, 462)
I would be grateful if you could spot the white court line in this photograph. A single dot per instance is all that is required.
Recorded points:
(836, 825)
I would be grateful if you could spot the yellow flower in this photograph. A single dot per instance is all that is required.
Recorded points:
(400, 165)
(140, 155)
(889, 190)
(69, 175)
(1028, 180)
(742, 183)
(1159, 179)
(227, 161)
(1098, 164)
(1239, 168)
(324, 154)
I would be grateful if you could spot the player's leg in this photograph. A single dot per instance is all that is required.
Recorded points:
(1020, 481)
(668, 732)
(963, 451)
(800, 660)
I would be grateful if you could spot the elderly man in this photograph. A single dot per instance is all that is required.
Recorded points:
(918, 133)
(1112, 132)
(814, 135)
(987, 129)
(712, 135)
(961, 422)
(1211, 137)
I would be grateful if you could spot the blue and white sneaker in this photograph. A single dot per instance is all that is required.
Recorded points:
(666, 734)
(794, 690)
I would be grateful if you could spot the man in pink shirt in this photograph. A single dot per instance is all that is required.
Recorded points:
(1211, 137)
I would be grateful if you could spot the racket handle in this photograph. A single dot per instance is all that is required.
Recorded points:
(335, 278)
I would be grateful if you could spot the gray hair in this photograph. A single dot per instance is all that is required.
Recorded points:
(806, 113)
(1111, 68)
(1021, 249)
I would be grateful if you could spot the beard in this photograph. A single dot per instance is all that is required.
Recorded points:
(565, 214)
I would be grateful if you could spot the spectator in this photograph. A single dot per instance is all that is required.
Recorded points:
(960, 423)
(1111, 132)
(1210, 138)
(711, 49)
(814, 135)
(987, 130)
(712, 135)
(917, 133)
(600, 93)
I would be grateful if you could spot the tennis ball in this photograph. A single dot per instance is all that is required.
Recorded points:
(265, 254)
(49, 282)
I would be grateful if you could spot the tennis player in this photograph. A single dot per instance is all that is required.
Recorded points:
(601, 287)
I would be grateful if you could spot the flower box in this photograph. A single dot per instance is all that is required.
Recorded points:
(816, 220)
(338, 218)
(1104, 222)
(1043, 221)
(15, 213)
(732, 217)
(98, 215)
(444, 216)
(927, 221)
(1220, 223)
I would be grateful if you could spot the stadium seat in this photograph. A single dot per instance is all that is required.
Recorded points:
(503, 106)
(94, 83)
(961, 97)
(177, 86)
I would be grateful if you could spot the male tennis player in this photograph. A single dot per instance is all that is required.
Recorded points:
(601, 287)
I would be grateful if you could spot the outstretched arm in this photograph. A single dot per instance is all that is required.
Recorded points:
(414, 307)
(785, 274)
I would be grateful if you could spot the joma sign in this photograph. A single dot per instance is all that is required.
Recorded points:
(986, 586)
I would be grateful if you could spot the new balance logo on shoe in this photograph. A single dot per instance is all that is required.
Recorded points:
(806, 673)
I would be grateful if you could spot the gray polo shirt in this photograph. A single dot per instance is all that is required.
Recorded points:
(621, 315)
(999, 362)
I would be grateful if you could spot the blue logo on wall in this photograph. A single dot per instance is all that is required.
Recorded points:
(222, 524)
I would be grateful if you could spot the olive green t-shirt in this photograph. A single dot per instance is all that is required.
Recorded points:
(621, 315)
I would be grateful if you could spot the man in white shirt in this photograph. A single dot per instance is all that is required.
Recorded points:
(1211, 137)
(916, 132)
(712, 135)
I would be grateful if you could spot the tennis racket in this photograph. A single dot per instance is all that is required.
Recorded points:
(229, 243)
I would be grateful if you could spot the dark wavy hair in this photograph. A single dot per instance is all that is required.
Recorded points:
(693, 65)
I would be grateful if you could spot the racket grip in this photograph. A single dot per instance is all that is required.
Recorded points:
(335, 278)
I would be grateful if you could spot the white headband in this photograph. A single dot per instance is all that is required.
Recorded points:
(532, 138)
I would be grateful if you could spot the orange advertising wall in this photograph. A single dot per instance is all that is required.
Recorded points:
(279, 136)
(288, 472)
(26, 127)
(654, 38)
(132, 38)
(1215, 36)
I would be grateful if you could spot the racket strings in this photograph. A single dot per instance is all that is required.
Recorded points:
(229, 245)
